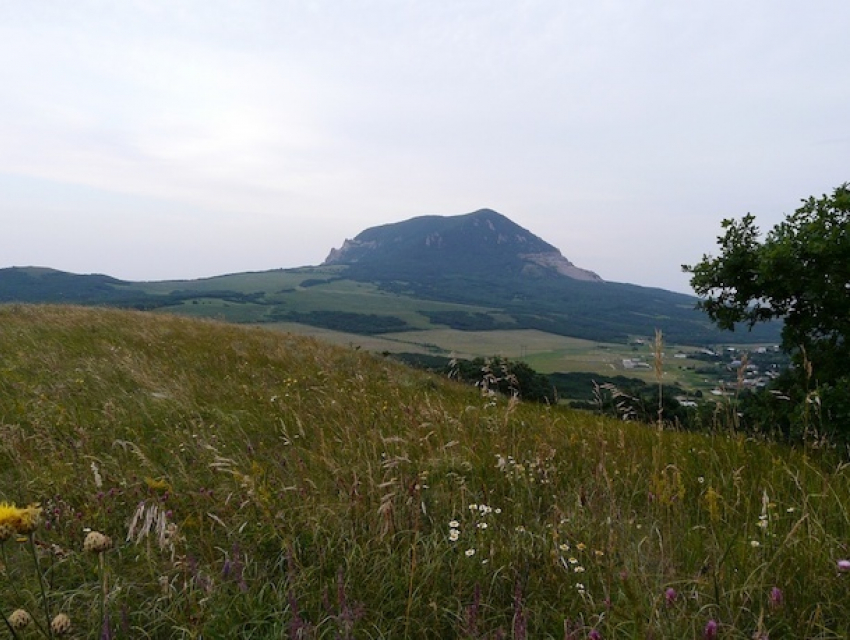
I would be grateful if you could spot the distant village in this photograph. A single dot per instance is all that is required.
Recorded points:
(725, 370)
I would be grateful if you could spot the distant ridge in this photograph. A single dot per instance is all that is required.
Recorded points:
(473, 272)
(40, 284)
(475, 242)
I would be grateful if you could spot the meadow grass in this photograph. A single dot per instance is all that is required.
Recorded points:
(263, 485)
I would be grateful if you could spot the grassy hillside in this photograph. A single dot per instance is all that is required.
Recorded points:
(262, 485)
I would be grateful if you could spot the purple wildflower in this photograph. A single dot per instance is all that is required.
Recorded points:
(670, 596)
(776, 598)
(844, 565)
(710, 632)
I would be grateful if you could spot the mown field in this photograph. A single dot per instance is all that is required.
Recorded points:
(259, 484)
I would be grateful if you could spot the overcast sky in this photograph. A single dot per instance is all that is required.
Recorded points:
(177, 140)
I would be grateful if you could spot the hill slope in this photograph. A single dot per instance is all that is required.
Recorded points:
(259, 485)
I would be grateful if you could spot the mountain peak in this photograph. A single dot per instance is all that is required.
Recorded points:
(481, 241)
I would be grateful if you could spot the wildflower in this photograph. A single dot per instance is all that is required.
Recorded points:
(573, 560)
(19, 619)
(755, 544)
(96, 542)
(594, 635)
(473, 507)
(710, 631)
(19, 520)
(454, 534)
(776, 598)
(564, 546)
(470, 553)
(157, 484)
(670, 595)
(844, 565)
(61, 624)
(481, 525)
(578, 569)
(454, 524)
(581, 546)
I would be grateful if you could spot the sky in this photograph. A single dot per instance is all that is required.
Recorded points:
(183, 139)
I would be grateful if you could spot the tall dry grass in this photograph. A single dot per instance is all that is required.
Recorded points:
(261, 485)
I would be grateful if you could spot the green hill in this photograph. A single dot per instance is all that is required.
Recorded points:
(256, 484)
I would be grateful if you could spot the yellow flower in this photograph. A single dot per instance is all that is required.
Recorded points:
(157, 484)
(20, 520)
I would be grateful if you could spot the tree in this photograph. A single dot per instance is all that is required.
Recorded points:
(799, 274)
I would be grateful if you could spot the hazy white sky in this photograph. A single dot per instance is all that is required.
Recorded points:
(170, 140)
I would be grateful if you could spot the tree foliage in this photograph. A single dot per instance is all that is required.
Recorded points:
(798, 273)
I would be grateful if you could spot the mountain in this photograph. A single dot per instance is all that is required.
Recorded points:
(481, 242)
(483, 258)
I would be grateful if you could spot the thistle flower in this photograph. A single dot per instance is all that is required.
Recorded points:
(670, 595)
(96, 542)
(710, 631)
(776, 598)
(61, 624)
(19, 619)
(18, 519)
(844, 565)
